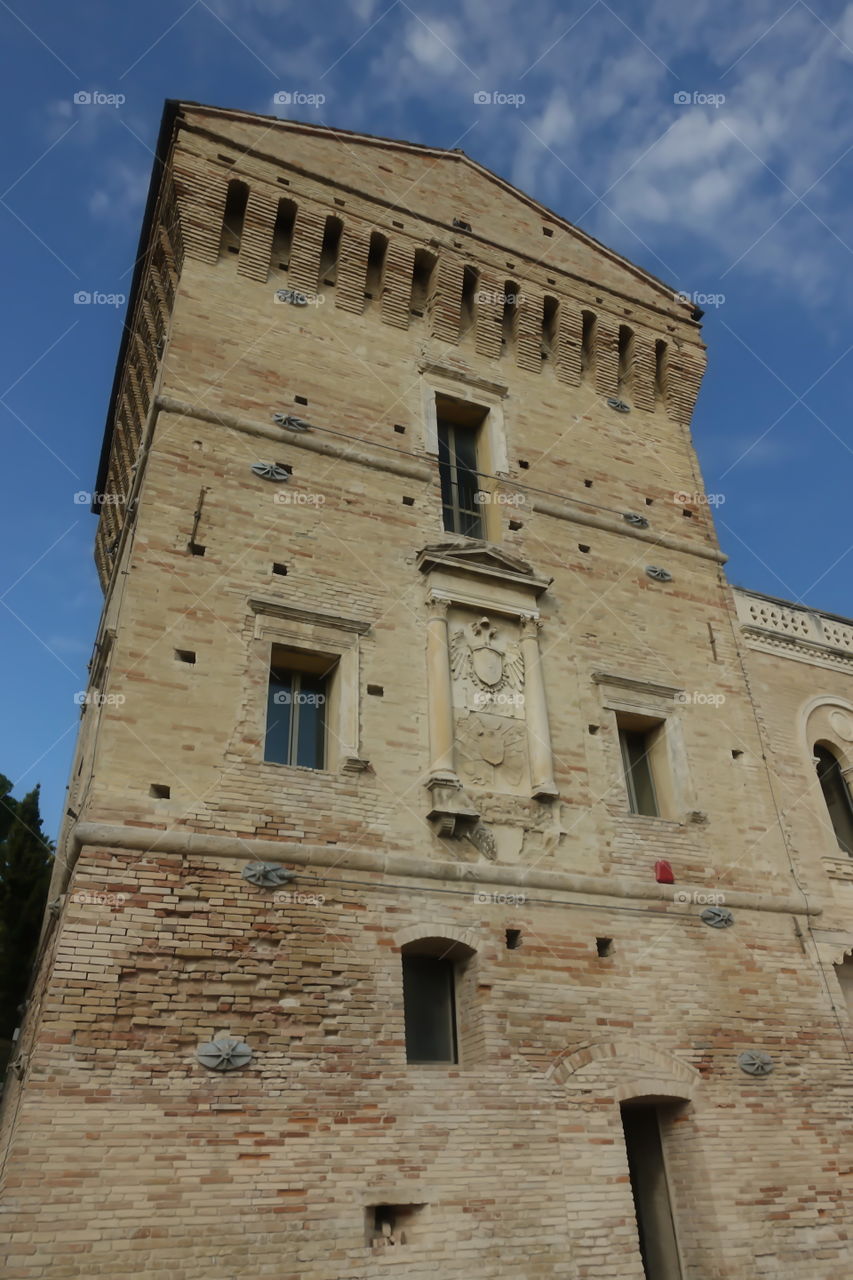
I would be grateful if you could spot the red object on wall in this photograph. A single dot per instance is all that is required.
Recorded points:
(663, 873)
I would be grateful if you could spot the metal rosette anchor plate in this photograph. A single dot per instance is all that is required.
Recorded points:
(755, 1062)
(227, 1054)
(718, 917)
(267, 875)
(270, 471)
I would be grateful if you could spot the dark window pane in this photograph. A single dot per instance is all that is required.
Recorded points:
(310, 701)
(638, 772)
(457, 469)
(429, 1012)
(279, 705)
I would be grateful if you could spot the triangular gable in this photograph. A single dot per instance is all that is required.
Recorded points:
(439, 186)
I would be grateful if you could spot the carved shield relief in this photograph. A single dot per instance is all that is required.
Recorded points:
(492, 752)
(488, 699)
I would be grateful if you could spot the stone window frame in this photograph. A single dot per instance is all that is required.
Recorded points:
(626, 697)
(492, 453)
(316, 634)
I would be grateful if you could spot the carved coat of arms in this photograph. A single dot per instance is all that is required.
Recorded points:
(479, 653)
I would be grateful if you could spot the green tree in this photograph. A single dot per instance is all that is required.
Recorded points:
(26, 862)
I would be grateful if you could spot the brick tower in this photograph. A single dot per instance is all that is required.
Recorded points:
(448, 888)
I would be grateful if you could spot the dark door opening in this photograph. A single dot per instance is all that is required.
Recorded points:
(641, 1124)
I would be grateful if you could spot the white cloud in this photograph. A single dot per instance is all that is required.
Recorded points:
(435, 46)
(121, 197)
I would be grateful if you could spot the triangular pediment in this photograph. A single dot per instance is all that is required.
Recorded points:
(481, 560)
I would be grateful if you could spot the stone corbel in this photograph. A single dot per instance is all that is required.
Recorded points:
(543, 786)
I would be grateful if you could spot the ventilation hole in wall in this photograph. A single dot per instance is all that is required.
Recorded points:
(232, 248)
(376, 690)
(397, 224)
(391, 1225)
(547, 231)
(584, 547)
(280, 569)
(401, 430)
(197, 444)
(649, 501)
(159, 791)
(461, 225)
(550, 279)
(524, 464)
(285, 182)
(587, 484)
(196, 549)
(226, 159)
(408, 502)
(511, 266)
(736, 753)
(515, 525)
(604, 947)
(687, 513)
(513, 939)
(299, 400)
(339, 202)
(185, 655)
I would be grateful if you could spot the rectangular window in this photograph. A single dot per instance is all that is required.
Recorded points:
(460, 482)
(430, 1009)
(296, 717)
(650, 1189)
(638, 746)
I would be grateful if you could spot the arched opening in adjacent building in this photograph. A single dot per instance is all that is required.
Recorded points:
(836, 795)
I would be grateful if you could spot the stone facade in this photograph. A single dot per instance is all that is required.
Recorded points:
(473, 789)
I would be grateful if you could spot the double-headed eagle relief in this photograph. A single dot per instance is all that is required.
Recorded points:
(488, 681)
(480, 654)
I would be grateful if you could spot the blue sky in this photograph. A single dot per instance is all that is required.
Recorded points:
(708, 142)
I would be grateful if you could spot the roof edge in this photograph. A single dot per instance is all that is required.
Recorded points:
(171, 108)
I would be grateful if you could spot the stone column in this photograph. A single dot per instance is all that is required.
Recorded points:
(440, 694)
(536, 709)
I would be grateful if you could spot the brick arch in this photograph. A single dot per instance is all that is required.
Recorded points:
(626, 1069)
(434, 929)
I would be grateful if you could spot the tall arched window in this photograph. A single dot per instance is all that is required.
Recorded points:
(836, 795)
